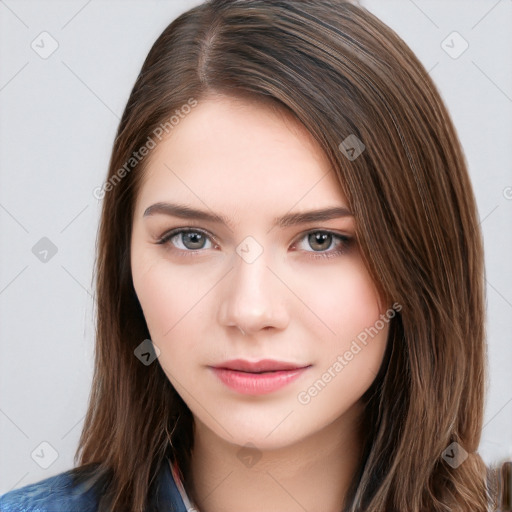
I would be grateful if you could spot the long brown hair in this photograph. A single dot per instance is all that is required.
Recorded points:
(341, 72)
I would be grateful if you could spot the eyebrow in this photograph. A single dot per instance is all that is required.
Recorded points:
(290, 219)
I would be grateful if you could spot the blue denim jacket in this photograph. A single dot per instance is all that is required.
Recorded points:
(56, 494)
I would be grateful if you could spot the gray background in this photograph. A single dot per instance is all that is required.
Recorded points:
(58, 120)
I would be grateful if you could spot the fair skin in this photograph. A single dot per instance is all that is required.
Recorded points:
(300, 300)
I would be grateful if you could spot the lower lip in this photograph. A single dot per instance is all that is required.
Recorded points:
(257, 383)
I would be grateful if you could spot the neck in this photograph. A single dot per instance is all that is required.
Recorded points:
(313, 473)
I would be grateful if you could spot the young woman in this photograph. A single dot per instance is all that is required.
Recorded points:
(289, 279)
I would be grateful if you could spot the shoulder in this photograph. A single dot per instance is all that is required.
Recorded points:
(58, 493)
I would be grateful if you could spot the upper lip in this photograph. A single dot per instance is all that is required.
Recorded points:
(264, 365)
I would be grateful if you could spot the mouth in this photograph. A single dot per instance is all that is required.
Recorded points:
(259, 377)
(262, 366)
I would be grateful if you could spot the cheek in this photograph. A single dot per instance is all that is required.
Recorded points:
(349, 361)
(344, 299)
(351, 352)
(172, 300)
(166, 294)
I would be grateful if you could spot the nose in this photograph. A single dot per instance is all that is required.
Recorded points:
(253, 297)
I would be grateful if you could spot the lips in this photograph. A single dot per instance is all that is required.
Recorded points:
(259, 377)
(262, 366)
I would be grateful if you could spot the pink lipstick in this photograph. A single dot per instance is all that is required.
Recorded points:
(259, 377)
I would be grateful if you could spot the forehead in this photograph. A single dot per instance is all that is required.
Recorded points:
(228, 151)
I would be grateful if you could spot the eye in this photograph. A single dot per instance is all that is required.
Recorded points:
(192, 241)
(326, 244)
(188, 240)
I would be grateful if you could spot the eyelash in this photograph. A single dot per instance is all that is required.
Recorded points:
(344, 240)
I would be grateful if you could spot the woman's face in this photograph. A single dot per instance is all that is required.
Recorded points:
(297, 287)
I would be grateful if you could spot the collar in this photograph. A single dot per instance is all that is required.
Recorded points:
(168, 496)
(176, 475)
